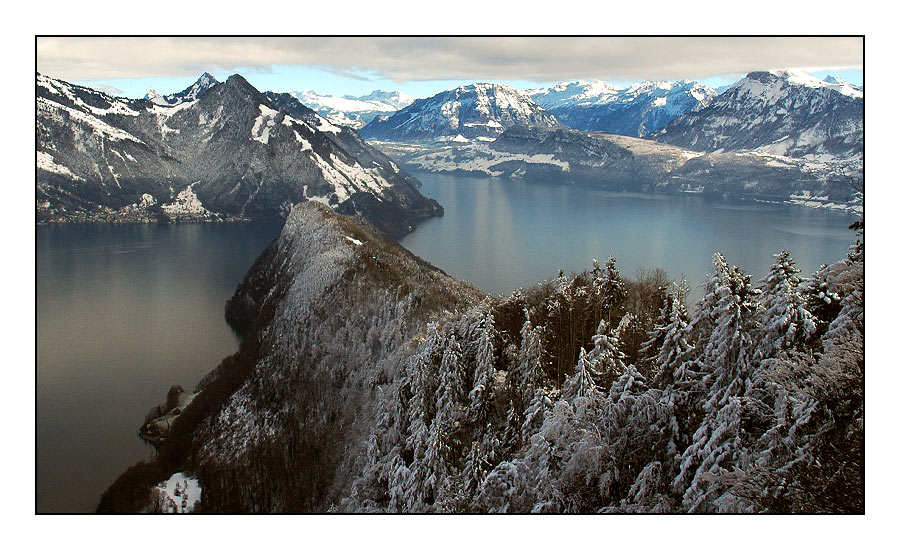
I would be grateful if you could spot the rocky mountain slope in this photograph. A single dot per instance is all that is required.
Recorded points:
(636, 111)
(624, 163)
(214, 151)
(475, 112)
(354, 111)
(787, 113)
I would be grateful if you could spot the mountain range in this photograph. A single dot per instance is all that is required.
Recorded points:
(786, 113)
(782, 136)
(214, 151)
(354, 111)
(638, 110)
(227, 151)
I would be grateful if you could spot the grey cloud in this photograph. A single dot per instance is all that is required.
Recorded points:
(410, 59)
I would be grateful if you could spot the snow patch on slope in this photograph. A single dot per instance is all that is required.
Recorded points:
(98, 127)
(263, 123)
(46, 162)
(180, 494)
(186, 203)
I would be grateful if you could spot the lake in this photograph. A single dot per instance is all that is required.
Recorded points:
(123, 312)
(505, 234)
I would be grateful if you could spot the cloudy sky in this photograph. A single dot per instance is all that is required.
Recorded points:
(424, 66)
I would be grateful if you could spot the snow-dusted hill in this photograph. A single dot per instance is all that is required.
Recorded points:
(787, 113)
(595, 105)
(213, 151)
(625, 163)
(333, 308)
(474, 112)
(354, 111)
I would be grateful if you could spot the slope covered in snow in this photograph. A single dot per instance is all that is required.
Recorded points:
(354, 111)
(329, 311)
(786, 113)
(637, 110)
(213, 151)
(474, 111)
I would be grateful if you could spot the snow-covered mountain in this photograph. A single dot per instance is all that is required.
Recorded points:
(354, 111)
(786, 113)
(479, 111)
(191, 93)
(574, 92)
(595, 105)
(219, 150)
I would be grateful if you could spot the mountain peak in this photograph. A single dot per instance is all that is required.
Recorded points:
(776, 112)
(794, 77)
(191, 93)
(473, 111)
(236, 80)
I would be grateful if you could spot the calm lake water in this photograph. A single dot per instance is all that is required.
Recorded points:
(123, 313)
(501, 234)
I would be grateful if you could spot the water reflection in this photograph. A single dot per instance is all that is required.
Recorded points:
(502, 234)
(123, 312)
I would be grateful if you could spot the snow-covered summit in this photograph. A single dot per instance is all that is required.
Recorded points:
(353, 111)
(216, 151)
(472, 111)
(574, 92)
(595, 105)
(784, 112)
(793, 77)
(191, 93)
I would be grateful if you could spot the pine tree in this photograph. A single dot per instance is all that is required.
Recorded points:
(581, 383)
(607, 360)
(612, 293)
(483, 383)
(717, 445)
(675, 347)
(530, 368)
(785, 321)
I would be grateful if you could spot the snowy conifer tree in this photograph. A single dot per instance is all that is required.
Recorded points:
(717, 445)
(605, 357)
(675, 347)
(612, 292)
(785, 320)
(530, 367)
(483, 381)
(581, 383)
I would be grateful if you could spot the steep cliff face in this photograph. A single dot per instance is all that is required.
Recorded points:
(329, 312)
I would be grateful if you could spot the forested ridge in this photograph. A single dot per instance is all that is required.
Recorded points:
(752, 404)
(369, 381)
